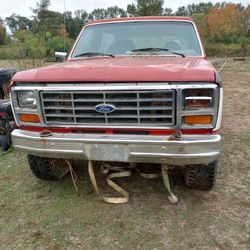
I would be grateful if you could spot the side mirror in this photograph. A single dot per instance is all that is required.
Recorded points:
(60, 55)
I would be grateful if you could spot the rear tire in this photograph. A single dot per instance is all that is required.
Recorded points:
(201, 176)
(48, 168)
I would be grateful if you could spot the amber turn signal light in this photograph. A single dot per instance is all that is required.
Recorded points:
(29, 118)
(197, 119)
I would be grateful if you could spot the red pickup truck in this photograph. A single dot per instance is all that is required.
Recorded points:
(136, 90)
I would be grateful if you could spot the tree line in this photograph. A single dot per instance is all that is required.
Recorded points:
(223, 25)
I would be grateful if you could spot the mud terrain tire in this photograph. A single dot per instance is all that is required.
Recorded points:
(4, 143)
(47, 168)
(201, 176)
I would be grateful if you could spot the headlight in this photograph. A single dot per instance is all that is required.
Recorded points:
(199, 106)
(27, 99)
(197, 98)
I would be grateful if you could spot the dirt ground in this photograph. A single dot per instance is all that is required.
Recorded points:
(35, 214)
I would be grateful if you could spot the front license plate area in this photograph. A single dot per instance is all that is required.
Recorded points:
(108, 152)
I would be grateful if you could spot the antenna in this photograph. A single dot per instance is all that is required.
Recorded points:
(64, 24)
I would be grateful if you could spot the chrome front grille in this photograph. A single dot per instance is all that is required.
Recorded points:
(132, 107)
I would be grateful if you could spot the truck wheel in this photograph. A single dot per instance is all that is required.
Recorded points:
(4, 143)
(201, 176)
(47, 168)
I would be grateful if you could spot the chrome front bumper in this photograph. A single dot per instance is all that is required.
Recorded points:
(192, 149)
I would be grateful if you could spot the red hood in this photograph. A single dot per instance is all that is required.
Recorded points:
(123, 69)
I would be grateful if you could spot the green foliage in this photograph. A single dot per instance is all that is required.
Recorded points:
(181, 11)
(75, 24)
(146, 8)
(115, 11)
(110, 12)
(32, 47)
(56, 43)
(244, 42)
(40, 6)
(168, 12)
(16, 22)
(222, 50)
(224, 24)
(98, 14)
(2, 33)
(8, 52)
(47, 20)
(132, 10)
(191, 9)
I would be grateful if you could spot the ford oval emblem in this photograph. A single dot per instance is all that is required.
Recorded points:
(104, 108)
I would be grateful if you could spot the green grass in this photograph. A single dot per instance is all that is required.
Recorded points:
(37, 214)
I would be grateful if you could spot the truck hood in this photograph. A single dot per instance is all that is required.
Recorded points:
(123, 69)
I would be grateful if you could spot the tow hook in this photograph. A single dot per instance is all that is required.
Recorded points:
(177, 136)
(45, 133)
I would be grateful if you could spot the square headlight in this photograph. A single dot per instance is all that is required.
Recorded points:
(198, 98)
(27, 99)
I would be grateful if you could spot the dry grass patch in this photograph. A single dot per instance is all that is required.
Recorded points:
(36, 214)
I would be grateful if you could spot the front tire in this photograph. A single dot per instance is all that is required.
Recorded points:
(47, 168)
(4, 142)
(201, 176)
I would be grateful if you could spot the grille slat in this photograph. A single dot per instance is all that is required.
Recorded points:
(149, 107)
(122, 108)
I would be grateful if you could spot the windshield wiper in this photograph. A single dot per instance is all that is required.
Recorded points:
(90, 54)
(157, 49)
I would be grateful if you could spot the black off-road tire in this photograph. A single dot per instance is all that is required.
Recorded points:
(4, 143)
(201, 176)
(48, 168)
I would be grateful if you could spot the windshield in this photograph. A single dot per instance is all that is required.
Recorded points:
(130, 38)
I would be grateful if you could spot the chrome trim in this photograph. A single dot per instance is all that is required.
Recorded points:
(19, 110)
(192, 149)
(203, 54)
(201, 111)
(60, 54)
(171, 155)
(113, 86)
(198, 98)
(220, 109)
(178, 87)
(133, 107)
(13, 110)
(218, 79)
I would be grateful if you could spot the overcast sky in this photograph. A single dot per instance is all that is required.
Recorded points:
(22, 7)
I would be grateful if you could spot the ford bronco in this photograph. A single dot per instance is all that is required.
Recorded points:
(135, 90)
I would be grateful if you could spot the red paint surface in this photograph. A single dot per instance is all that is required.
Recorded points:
(111, 131)
(148, 18)
(123, 69)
